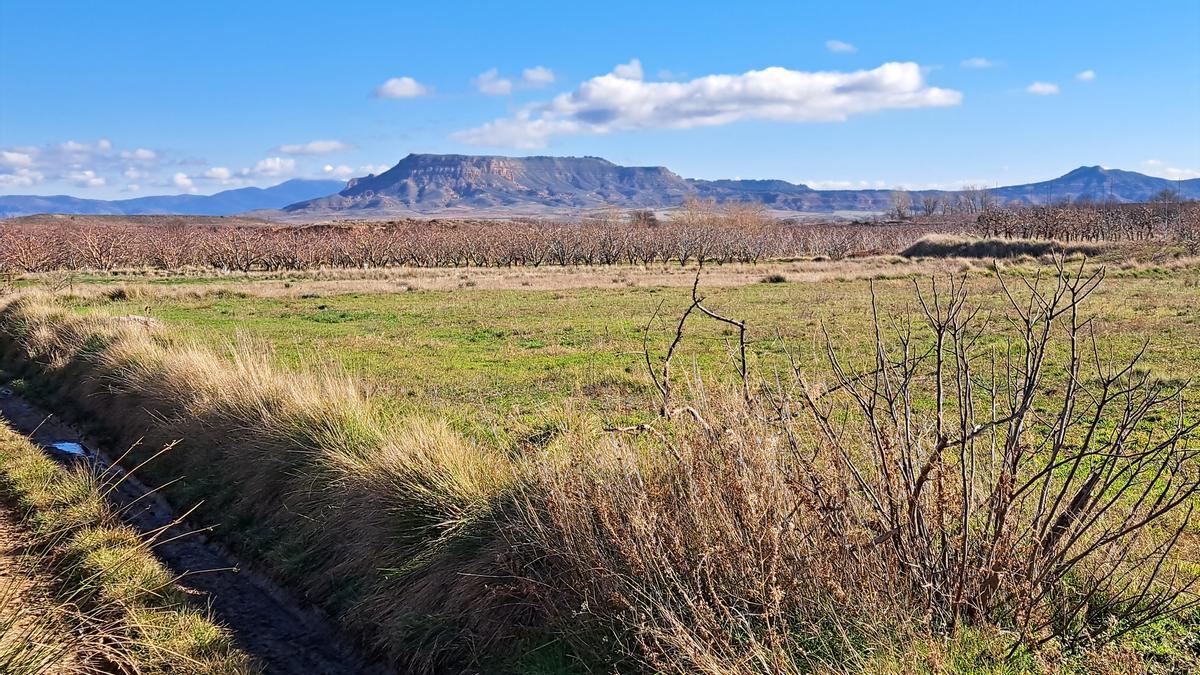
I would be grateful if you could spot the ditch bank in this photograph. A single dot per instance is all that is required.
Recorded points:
(393, 528)
(266, 623)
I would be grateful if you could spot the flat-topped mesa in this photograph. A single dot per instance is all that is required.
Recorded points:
(426, 182)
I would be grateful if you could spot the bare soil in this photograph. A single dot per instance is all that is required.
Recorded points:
(281, 633)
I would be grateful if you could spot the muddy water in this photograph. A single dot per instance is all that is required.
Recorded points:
(282, 634)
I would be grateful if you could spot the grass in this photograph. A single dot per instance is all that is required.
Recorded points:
(115, 605)
(430, 465)
(486, 358)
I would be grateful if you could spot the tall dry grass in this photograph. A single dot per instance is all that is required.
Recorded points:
(386, 523)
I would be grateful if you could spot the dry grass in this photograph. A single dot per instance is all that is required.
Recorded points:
(383, 519)
(95, 599)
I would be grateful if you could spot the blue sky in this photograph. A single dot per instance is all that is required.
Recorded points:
(134, 98)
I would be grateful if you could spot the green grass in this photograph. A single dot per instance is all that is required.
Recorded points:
(487, 358)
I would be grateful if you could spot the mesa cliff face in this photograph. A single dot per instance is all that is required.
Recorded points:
(431, 182)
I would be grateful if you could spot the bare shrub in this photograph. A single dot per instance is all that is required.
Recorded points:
(997, 475)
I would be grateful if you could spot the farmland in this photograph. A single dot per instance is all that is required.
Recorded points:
(452, 459)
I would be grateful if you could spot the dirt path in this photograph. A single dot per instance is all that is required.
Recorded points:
(267, 623)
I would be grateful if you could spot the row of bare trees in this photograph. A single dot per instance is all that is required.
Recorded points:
(741, 235)
(1161, 218)
(700, 232)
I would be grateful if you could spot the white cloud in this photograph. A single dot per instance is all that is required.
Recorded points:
(181, 180)
(629, 71)
(373, 168)
(313, 148)
(977, 62)
(1042, 88)
(15, 159)
(1157, 167)
(132, 187)
(1086, 76)
(839, 47)
(621, 101)
(140, 155)
(401, 87)
(490, 82)
(102, 145)
(86, 164)
(341, 171)
(537, 76)
(21, 178)
(1179, 174)
(845, 184)
(218, 173)
(274, 166)
(87, 179)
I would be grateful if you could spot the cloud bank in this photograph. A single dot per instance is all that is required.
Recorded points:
(623, 101)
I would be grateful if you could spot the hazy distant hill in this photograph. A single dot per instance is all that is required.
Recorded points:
(220, 204)
(1096, 183)
(464, 185)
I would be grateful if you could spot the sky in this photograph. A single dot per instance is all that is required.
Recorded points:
(124, 99)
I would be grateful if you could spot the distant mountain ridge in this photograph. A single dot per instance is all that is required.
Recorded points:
(223, 203)
(429, 184)
(468, 185)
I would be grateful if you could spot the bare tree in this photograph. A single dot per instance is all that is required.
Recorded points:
(930, 204)
(901, 204)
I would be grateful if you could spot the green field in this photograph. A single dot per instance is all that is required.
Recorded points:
(488, 358)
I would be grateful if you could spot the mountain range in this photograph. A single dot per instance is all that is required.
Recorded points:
(444, 184)
(223, 203)
(470, 185)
